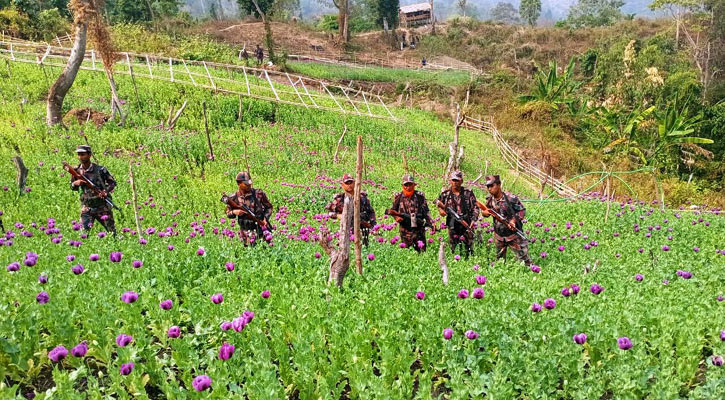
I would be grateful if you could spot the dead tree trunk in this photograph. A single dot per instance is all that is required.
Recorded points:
(340, 256)
(442, 262)
(62, 85)
(22, 173)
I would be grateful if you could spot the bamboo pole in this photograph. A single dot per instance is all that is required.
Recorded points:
(134, 199)
(206, 128)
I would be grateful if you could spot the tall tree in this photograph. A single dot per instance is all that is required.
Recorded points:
(591, 13)
(462, 6)
(388, 10)
(530, 11)
(343, 18)
(506, 13)
(248, 5)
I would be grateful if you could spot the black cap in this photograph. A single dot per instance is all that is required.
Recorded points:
(83, 148)
(492, 179)
(244, 177)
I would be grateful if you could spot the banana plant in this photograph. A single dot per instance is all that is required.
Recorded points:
(624, 131)
(553, 88)
(675, 127)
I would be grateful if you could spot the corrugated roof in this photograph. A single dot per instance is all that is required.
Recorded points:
(415, 8)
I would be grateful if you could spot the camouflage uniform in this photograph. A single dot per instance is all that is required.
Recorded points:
(509, 206)
(93, 207)
(464, 204)
(367, 214)
(417, 208)
(256, 200)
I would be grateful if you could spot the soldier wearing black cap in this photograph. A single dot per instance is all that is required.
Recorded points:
(463, 202)
(94, 207)
(367, 214)
(412, 203)
(510, 208)
(256, 201)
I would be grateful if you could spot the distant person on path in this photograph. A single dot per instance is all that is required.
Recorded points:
(511, 209)
(244, 56)
(462, 202)
(411, 212)
(94, 206)
(251, 208)
(367, 214)
(423, 62)
(259, 53)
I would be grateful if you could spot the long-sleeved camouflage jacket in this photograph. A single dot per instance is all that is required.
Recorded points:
(101, 178)
(367, 213)
(508, 206)
(464, 204)
(257, 201)
(414, 205)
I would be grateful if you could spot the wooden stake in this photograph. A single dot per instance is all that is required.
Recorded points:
(358, 188)
(22, 173)
(133, 81)
(172, 122)
(134, 199)
(206, 128)
(339, 143)
(442, 262)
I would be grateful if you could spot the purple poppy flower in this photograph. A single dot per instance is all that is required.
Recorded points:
(596, 288)
(77, 269)
(174, 332)
(201, 383)
(42, 297)
(239, 323)
(265, 294)
(535, 269)
(30, 261)
(476, 267)
(580, 338)
(58, 354)
(371, 257)
(574, 288)
(480, 279)
(639, 277)
(70, 258)
(543, 254)
(720, 298)
(462, 294)
(200, 251)
(471, 334)
(717, 361)
(447, 333)
(420, 295)
(217, 298)
(229, 266)
(478, 293)
(80, 350)
(565, 292)
(536, 307)
(561, 248)
(549, 304)
(171, 247)
(248, 316)
(126, 369)
(137, 264)
(665, 248)
(14, 267)
(115, 256)
(317, 254)
(129, 297)
(624, 343)
(43, 279)
(686, 275)
(94, 257)
(123, 340)
(166, 304)
(226, 351)
(722, 335)
(225, 326)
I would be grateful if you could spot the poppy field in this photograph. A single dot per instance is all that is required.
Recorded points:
(630, 308)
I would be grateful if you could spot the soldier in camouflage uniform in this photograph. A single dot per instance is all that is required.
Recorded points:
(256, 201)
(511, 209)
(94, 207)
(367, 214)
(412, 202)
(463, 202)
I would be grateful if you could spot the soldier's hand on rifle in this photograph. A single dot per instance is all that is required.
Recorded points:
(102, 194)
(512, 224)
(263, 224)
(238, 212)
(79, 182)
(485, 213)
(399, 220)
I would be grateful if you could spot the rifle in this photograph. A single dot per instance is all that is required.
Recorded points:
(500, 218)
(407, 220)
(453, 214)
(239, 206)
(77, 175)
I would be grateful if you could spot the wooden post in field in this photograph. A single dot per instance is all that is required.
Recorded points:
(134, 199)
(206, 128)
(22, 173)
(339, 143)
(358, 188)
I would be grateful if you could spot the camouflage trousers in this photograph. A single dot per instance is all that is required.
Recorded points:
(519, 247)
(102, 214)
(462, 237)
(411, 237)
